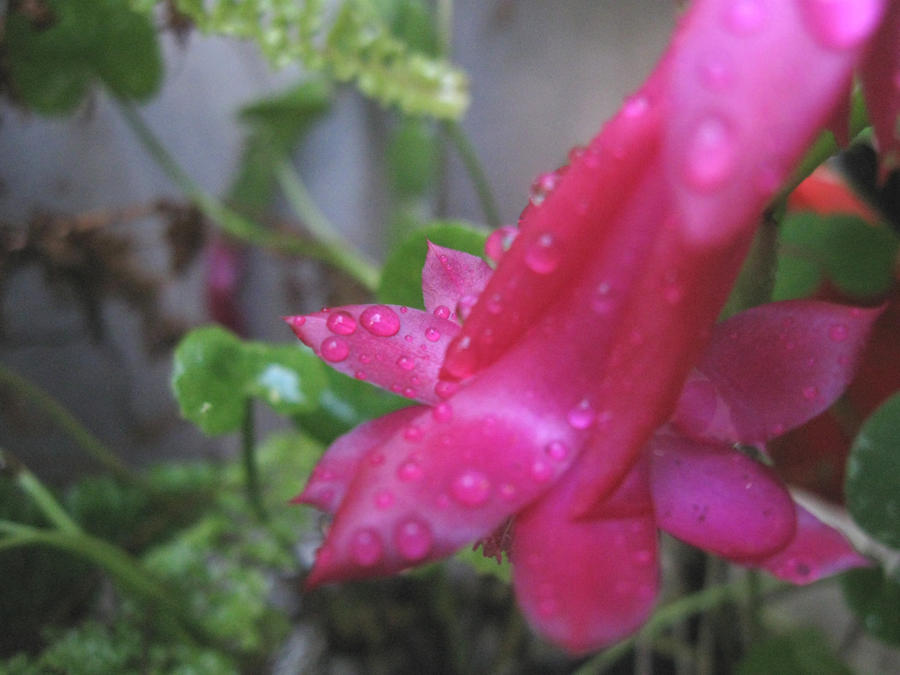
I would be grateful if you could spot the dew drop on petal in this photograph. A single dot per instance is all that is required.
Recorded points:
(380, 320)
(465, 305)
(442, 312)
(582, 416)
(412, 433)
(810, 393)
(635, 106)
(507, 491)
(494, 304)
(413, 539)
(746, 17)
(341, 323)
(376, 458)
(360, 375)
(543, 255)
(715, 72)
(406, 363)
(838, 332)
(365, 358)
(643, 557)
(384, 499)
(841, 24)
(542, 186)
(366, 548)
(711, 154)
(409, 471)
(499, 242)
(442, 412)
(432, 334)
(445, 389)
(541, 471)
(471, 488)
(557, 450)
(334, 349)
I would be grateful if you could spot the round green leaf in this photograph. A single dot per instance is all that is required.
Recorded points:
(401, 278)
(288, 378)
(873, 474)
(875, 597)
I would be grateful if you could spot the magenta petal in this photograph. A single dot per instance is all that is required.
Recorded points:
(718, 499)
(772, 368)
(449, 276)
(816, 551)
(728, 133)
(584, 584)
(451, 476)
(395, 348)
(881, 85)
(328, 482)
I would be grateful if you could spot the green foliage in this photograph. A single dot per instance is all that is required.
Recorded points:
(412, 157)
(875, 596)
(873, 474)
(801, 652)
(215, 373)
(401, 278)
(54, 60)
(854, 256)
(357, 44)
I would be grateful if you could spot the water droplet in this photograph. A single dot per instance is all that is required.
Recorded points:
(442, 412)
(602, 302)
(541, 471)
(406, 362)
(495, 304)
(810, 393)
(745, 17)
(499, 242)
(643, 557)
(542, 186)
(409, 471)
(384, 499)
(365, 358)
(380, 320)
(366, 548)
(711, 154)
(341, 322)
(557, 450)
(442, 312)
(432, 334)
(413, 539)
(841, 24)
(471, 488)
(635, 106)
(543, 255)
(715, 72)
(412, 433)
(376, 458)
(360, 375)
(445, 389)
(465, 305)
(334, 349)
(507, 491)
(409, 392)
(838, 332)
(582, 416)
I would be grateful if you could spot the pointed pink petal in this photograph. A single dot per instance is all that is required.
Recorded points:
(589, 583)
(881, 84)
(771, 369)
(718, 499)
(449, 276)
(451, 476)
(729, 141)
(395, 348)
(816, 551)
(328, 482)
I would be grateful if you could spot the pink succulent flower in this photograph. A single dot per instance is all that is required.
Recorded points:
(589, 394)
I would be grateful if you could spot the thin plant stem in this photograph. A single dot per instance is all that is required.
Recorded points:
(68, 423)
(321, 228)
(233, 223)
(248, 453)
(445, 26)
(34, 488)
(470, 160)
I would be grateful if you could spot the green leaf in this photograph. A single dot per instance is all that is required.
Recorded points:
(802, 652)
(215, 373)
(873, 474)
(874, 597)
(483, 565)
(856, 257)
(53, 62)
(401, 278)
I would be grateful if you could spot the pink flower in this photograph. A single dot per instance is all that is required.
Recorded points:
(588, 394)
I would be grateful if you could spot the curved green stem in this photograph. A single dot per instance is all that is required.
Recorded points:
(32, 486)
(321, 228)
(248, 453)
(233, 223)
(67, 422)
(476, 172)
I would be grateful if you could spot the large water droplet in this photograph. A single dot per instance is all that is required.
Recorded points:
(471, 488)
(334, 349)
(543, 255)
(366, 548)
(409, 471)
(413, 539)
(838, 332)
(746, 17)
(341, 322)
(442, 312)
(841, 24)
(442, 412)
(542, 186)
(711, 153)
(582, 416)
(465, 305)
(406, 362)
(445, 389)
(380, 320)
(499, 241)
(635, 106)
(412, 433)
(432, 334)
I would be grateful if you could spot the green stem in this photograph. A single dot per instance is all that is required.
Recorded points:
(232, 222)
(248, 453)
(671, 614)
(43, 498)
(67, 422)
(476, 172)
(321, 228)
(445, 26)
